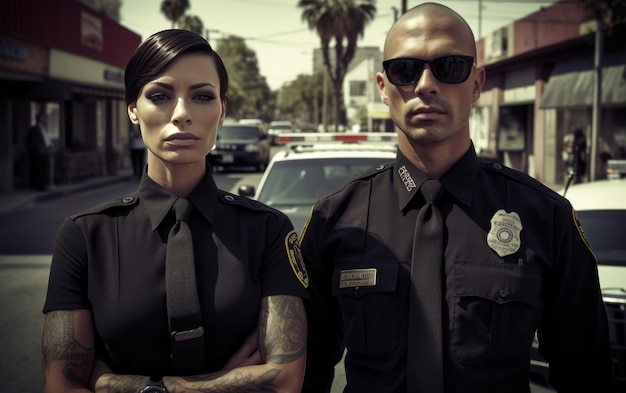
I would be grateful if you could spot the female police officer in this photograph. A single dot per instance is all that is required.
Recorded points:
(106, 309)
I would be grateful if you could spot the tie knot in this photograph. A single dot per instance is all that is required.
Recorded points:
(182, 208)
(432, 190)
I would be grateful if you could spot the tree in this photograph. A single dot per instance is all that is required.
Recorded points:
(174, 9)
(342, 21)
(249, 93)
(191, 23)
(301, 99)
(613, 14)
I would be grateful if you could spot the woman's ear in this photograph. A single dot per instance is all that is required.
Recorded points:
(132, 113)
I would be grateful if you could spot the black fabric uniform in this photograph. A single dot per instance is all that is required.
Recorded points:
(111, 260)
(493, 304)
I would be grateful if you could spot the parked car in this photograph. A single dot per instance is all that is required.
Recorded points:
(601, 209)
(278, 127)
(240, 145)
(313, 164)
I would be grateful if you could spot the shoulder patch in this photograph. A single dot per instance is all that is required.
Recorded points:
(295, 258)
(581, 232)
(130, 200)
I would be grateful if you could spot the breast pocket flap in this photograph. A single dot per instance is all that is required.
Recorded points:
(498, 281)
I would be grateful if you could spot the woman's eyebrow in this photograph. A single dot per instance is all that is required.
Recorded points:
(192, 87)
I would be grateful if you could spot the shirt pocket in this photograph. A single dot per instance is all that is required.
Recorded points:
(497, 307)
(366, 292)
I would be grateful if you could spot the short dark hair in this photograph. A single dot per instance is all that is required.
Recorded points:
(158, 51)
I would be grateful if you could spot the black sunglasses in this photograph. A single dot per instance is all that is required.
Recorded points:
(405, 71)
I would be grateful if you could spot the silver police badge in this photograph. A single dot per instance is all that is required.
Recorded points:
(504, 235)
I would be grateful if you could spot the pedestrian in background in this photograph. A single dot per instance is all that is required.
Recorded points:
(38, 148)
(435, 271)
(137, 151)
(575, 154)
(119, 298)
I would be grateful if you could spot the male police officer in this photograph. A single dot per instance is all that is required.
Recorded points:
(513, 258)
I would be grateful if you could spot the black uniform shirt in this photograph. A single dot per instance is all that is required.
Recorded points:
(515, 260)
(111, 260)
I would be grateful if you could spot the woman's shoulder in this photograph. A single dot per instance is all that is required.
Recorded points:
(126, 202)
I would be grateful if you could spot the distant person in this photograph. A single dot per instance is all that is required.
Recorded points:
(435, 270)
(575, 154)
(137, 151)
(38, 147)
(121, 313)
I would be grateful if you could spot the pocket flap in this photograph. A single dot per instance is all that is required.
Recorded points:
(498, 281)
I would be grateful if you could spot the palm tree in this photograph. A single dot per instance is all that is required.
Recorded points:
(191, 23)
(344, 21)
(174, 9)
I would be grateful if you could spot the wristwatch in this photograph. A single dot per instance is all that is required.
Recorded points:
(154, 387)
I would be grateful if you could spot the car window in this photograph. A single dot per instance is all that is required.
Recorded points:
(604, 229)
(234, 132)
(303, 182)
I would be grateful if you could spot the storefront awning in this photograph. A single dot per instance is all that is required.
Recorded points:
(571, 84)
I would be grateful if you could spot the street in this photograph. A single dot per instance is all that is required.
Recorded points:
(27, 240)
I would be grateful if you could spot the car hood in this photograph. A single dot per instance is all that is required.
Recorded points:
(613, 283)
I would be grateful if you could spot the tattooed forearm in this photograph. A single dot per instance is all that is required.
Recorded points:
(237, 381)
(284, 336)
(60, 343)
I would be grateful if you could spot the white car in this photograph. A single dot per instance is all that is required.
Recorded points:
(601, 208)
(313, 164)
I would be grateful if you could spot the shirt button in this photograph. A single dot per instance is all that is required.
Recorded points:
(356, 290)
(497, 166)
(128, 199)
(229, 198)
(503, 293)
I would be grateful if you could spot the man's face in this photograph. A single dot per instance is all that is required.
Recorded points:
(430, 111)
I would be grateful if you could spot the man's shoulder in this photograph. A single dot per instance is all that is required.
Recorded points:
(524, 183)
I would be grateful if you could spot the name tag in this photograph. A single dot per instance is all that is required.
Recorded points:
(357, 278)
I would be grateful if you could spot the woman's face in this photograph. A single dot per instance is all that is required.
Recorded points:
(180, 111)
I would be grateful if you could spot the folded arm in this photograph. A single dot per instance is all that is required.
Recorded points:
(282, 334)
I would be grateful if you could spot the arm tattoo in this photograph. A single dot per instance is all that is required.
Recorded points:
(283, 337)
(60, 344)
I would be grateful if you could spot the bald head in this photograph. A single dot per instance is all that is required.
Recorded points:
(435, 17)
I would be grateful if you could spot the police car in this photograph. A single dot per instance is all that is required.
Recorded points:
(313, 164)
(601, 208)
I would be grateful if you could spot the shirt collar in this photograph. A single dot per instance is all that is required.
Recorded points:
(159, 201)
(459, 180)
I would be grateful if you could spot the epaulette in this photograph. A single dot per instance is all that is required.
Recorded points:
(519, 177)
(366, 174)
(128, 201)
(245, 202)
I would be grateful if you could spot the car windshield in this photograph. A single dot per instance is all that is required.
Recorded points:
(303, 182)
(605, 231)
(235, 132)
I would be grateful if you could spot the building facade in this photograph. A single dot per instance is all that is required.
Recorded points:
(65, 59)
(539, 88)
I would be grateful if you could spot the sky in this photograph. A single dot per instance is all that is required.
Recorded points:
(283, 42)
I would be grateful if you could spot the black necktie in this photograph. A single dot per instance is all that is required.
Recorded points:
(183, 305)
(425, 357)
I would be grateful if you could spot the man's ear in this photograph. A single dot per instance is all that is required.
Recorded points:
(479, 82)
(380, 83)
(132, 114)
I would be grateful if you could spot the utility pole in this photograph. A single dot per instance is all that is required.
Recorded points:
(403, 6)
(596, 113)
(480, 19)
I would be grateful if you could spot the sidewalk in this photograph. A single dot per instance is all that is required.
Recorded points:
(10, 201)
